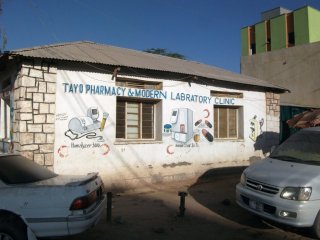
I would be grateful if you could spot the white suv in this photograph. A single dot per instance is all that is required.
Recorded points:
(285, 187)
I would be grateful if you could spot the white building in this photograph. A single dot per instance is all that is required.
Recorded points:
(132, 116)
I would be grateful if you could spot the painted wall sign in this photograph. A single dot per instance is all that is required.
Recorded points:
(86, 128)
(224, 101)
(104, 90)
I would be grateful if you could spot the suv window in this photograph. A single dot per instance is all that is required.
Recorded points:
(303, 146)
(15, 169)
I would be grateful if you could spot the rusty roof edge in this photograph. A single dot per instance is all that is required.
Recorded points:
(263, 84)
(222, 74)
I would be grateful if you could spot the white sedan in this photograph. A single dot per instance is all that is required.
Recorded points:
(35, 202)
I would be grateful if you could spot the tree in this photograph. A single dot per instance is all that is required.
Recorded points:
(164, 52)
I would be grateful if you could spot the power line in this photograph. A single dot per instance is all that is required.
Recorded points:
(92, 65)
(41, 20)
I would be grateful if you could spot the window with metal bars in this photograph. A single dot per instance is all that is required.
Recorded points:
(135, 119)
(226, 122)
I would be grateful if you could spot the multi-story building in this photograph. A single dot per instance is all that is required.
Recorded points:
(283, 49)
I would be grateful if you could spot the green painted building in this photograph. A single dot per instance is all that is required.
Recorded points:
(284, 49)
(281, 28)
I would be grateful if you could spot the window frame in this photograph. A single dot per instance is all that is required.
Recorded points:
(140, 103)
(239, 114)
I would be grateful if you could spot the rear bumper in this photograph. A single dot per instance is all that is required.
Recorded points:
(63, 226)
(78, 224)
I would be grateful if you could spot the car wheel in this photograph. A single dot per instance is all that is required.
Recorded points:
(12, 228)
(316, 226)
(4, 236)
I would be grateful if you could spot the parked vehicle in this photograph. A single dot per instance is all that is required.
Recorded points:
(285, 187)
(35, 202)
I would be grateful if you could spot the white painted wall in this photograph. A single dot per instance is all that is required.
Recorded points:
(124, 163)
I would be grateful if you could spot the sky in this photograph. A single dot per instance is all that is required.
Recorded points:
(205, 31)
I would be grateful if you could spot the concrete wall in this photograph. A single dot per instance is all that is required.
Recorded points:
(295, 68)
(269, 14)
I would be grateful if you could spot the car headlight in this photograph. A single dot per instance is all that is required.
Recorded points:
(243, 179)
(297, 193)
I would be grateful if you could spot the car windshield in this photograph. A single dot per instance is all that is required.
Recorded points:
(16, 169)
(304, 147)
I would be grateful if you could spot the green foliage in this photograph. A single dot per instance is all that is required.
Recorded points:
(164, 52)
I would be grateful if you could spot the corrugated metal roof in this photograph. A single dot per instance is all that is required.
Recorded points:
(91, 52)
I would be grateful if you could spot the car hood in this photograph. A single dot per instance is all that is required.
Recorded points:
(67, 180)
(283, 173)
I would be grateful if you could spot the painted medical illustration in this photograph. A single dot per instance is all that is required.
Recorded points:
(197, 122)
(167, 128)
(201, 125)
(87, 125)
(207, 135)
(182, 124)
(209, 125)
(103, 121)
(256, 128)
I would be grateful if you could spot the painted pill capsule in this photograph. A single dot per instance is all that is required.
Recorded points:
(208, 123)
(198, 122)
(207, 135)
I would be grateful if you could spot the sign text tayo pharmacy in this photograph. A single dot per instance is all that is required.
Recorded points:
(91, 89)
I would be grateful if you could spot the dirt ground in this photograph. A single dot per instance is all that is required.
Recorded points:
(211, 213)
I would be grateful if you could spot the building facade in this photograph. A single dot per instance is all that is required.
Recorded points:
(283, 49)
(281, 28)
(133, 125)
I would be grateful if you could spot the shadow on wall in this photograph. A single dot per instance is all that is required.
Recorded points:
(266, 140)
